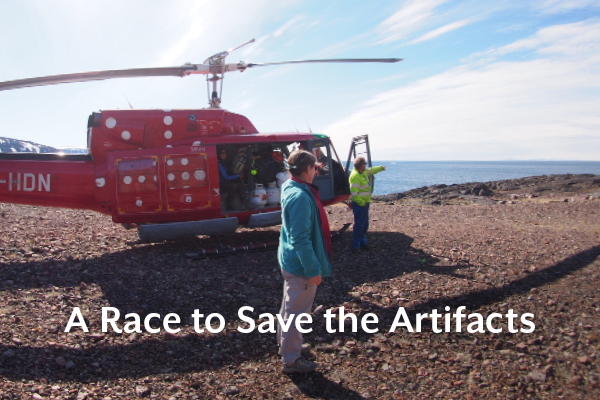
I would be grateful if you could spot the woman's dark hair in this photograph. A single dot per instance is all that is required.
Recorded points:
(299, 161)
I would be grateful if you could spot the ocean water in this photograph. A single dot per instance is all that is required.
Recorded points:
(401, 176)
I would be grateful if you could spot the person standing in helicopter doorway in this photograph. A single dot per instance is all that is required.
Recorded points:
(231, 184)
(360, 190)
(304, 255)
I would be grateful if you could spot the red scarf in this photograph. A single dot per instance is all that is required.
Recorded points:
(324, 220)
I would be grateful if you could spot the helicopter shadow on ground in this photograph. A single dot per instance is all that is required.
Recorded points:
(159, 278)
(475, 299)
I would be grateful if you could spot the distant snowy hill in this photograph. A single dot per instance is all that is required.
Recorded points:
(71, 150)
(8, 145)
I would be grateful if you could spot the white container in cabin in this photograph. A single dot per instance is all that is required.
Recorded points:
(282, 177)
(259, 196)
(273, 194)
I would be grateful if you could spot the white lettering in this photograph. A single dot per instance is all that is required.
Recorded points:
(44, 182)
(405, 321)
(477, 325)
(303, 319)
(111, 321)
(133, 326)
(171, 318)
(490, 319)
(342, 319)
(80, 321)
(525, 321)
(511, 319)
(434, 320)
(285, 325)
(247, 319)
(420, 318)
(196, 317)
(267, 326)
(209, 325)
(369, 318)
(328, 318)
(147, 322)
(458, 315)
(26, 177)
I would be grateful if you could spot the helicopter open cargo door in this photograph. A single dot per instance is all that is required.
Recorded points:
(324, 175)
(360, 148)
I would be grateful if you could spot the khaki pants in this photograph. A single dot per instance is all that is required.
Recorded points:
(298, 297)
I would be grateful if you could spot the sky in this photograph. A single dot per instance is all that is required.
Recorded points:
(479, 80)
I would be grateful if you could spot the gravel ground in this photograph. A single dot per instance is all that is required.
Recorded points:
(537, 255)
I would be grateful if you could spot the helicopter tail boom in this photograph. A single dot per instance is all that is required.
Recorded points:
(51, 180)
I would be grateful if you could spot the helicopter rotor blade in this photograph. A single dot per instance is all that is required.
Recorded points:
(241, 45)
(181, 71)
(109, 74)
(333, 60)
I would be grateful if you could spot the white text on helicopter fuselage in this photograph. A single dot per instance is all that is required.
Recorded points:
(26, 182)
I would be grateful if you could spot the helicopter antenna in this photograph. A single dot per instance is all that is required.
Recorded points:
(130, 106)
(307, 124)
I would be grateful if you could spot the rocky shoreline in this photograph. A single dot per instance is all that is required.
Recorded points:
(538, 255)
(564, 186)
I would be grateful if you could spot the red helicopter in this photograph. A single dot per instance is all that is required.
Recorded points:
(158, 170)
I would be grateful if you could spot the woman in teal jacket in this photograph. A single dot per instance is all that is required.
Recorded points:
(303, 254)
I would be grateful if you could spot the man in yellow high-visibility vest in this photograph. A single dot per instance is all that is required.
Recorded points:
(360, 189)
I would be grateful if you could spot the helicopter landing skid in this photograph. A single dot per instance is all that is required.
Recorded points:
(221, 250)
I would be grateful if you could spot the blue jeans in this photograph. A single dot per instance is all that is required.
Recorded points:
(361, 225)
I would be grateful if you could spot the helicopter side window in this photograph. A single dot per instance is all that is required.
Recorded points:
(322, 157)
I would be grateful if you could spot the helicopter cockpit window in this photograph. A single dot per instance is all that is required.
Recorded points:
(295, 146)
(322, 160)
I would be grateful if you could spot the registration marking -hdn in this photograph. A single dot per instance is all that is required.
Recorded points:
(27, 184)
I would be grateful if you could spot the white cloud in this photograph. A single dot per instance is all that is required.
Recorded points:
(560, 40)
(352, 42)
(411, 17)
(562, 6)
(258, 47)
(207, 29)
(286, 26)
(546, 107)
(442, 30)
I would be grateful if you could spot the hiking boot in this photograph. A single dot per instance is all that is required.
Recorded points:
(300, 366)
(365, 247)
(354, 251)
